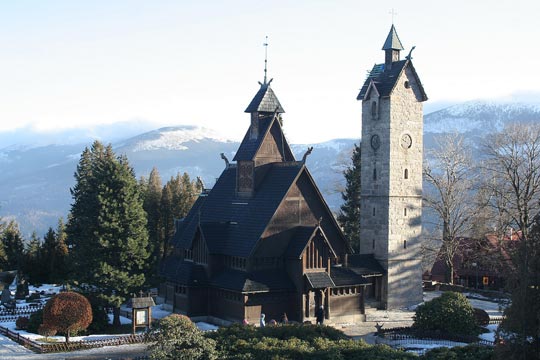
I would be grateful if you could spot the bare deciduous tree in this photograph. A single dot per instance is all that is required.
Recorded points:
(449, 194)
(513, 165)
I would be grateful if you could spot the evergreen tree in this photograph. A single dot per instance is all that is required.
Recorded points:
(521, 330)
(349, 215)
(48, 254)
(167, 217)
(107, 227)
(60, 270)
(13, 246)
(3, 255)
(178, 196)
(32, 264)
(152, 202)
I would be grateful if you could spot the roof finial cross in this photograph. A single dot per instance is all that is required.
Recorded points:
(265, 58)
(393, 13)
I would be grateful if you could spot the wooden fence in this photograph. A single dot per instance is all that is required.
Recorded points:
(74, 345)
(406, 335)
(7, 315)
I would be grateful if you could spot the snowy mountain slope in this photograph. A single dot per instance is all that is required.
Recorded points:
(35, 179)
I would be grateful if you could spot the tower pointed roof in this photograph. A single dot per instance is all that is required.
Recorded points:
(392, 41)
(265, 100)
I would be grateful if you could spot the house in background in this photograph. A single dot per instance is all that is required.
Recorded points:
(482, 264)
(263, 239)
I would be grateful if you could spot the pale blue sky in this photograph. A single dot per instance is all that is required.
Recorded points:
(70, 63)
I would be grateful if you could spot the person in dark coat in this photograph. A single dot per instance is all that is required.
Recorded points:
(319, 314)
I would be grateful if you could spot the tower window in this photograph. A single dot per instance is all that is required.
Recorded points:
(407, 85)
(404, 244)
(406, 174)
(405, 212)
(374, 108)
(373, 245)
(374, 174)
(373, 211)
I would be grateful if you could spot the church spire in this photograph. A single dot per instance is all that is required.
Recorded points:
(392, 47)
(265, 101)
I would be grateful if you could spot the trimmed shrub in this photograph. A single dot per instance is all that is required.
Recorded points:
(471, 352)
(297, 342)
(481, 317)
(35, 320)
(450, 313)
(176, 337)
(22, 323)
(46, 330)
(67, 312)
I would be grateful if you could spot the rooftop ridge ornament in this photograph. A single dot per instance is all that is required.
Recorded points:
(265, 44)
(393, 13)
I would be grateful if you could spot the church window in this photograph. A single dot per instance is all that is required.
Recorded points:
(188, 254)
(407, 85)
(374, 108)
(199, 253)
(405, 212)
(404, 244)
(373, 211)
(406, 174)
(373, 245)
(316, 254)
(374, 174)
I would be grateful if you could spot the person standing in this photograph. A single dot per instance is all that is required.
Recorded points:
(319, 314)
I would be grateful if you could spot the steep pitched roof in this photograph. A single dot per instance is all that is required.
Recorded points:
(301, 239)
(392, 41)
(384, 80)
(249, 147)
(265, 101)
(232, 225)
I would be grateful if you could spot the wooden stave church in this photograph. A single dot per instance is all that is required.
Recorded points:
(263, 240)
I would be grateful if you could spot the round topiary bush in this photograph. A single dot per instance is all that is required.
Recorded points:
(450, 313)
(67, 312)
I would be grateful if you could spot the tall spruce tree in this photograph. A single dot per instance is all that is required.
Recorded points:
(349, 215)
(32, 261)
(107, 227)
(13, 246)
(152, 203)
(178, 196)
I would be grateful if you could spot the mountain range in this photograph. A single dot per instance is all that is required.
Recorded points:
(35, 178)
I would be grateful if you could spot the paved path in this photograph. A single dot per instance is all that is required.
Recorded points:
(11, 350)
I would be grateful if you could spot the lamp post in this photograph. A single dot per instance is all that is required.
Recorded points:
(475, 265)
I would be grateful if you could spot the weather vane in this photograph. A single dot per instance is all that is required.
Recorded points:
(265, 58)
(393, 13)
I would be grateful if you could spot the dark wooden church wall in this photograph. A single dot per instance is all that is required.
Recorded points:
(271, 148)
(345, 302)
(273, 305)
(226, 304)
(313, 206)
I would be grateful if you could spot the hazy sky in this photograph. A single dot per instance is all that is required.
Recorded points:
(69, 63)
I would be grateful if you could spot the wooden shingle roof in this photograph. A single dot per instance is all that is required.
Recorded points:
(265, 100)
(385, 79)
(231, 225)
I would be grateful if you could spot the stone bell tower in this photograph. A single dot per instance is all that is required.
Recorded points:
(391, 197)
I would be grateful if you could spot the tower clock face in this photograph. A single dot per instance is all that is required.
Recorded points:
(406, 141)
(375, 142)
